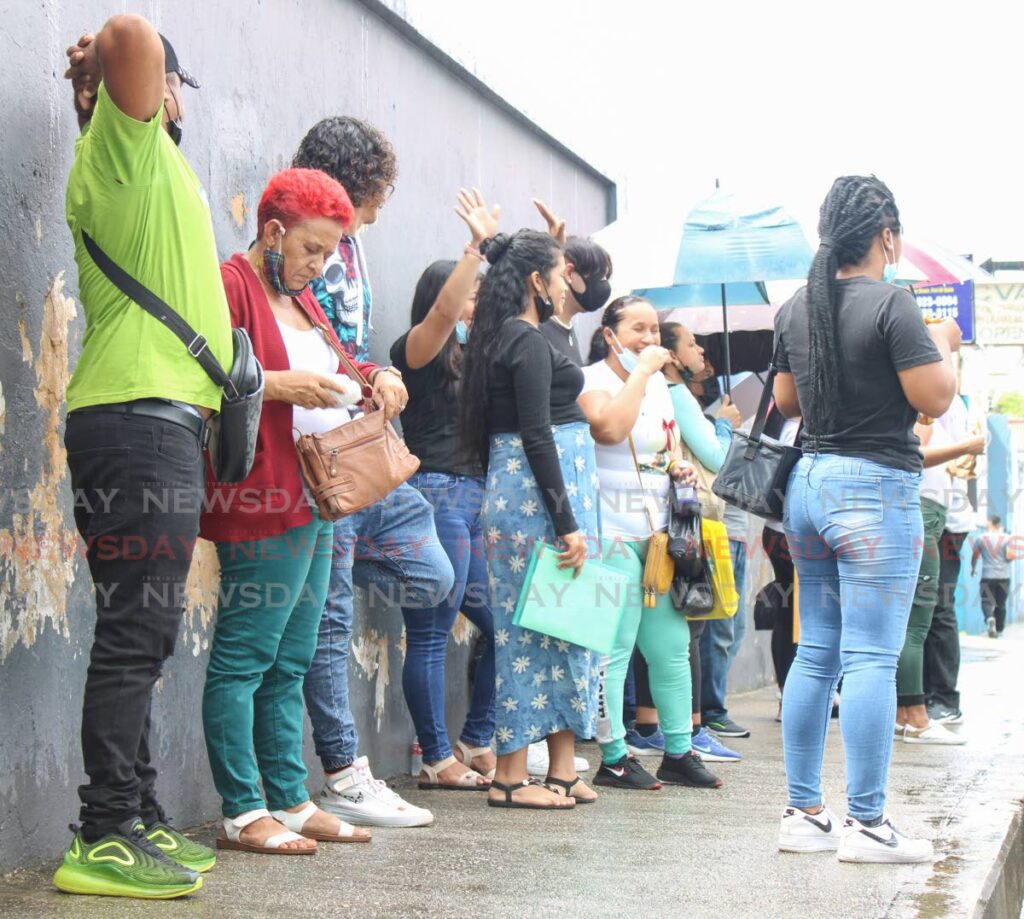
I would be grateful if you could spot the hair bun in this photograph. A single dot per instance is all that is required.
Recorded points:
(494, 247)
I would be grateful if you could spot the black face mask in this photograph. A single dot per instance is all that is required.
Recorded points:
(174, 129)
(595, 295)
(545, 305)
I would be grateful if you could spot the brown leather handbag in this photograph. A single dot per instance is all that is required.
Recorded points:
(359, 463)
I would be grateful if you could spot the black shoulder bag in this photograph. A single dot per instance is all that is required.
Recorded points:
(756, 470)
(233, 430)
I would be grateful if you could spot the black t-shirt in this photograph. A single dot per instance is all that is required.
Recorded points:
(530, 387)
(563, 340)
(879, 332)
(430, 420)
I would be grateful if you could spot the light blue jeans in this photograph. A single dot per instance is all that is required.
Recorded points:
(854, 530)
(390, 549)
(720, 642)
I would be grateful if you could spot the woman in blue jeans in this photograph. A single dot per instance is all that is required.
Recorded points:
(856, 360)
(430, 358)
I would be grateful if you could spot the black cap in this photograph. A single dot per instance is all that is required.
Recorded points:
(171, 65)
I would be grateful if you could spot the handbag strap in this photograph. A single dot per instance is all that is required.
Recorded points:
(137, 292)
(757, 429)
(346, 362)
(640, 479)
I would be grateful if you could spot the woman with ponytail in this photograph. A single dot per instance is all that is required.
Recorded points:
(856, 361)
(520, 421)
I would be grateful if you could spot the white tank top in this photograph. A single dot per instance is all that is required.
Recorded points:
(307, 350)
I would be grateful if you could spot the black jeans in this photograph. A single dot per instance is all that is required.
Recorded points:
(994, 592)
(783, 646)
(942, 646)
(138, 484)
(696, 630)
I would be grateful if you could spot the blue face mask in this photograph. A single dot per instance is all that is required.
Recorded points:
(891, 269)
(461, 332)
(628, 359)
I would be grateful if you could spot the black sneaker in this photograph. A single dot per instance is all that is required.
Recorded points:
(626, 773)
(726, 727)
(687, 770)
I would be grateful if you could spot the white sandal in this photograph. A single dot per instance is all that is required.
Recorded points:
(466, 782)
(233, 827)
(295, 821)
(471, 753)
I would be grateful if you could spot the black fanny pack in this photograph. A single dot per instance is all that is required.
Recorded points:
(233, 430)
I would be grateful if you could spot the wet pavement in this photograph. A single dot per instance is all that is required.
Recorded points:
(676, 852)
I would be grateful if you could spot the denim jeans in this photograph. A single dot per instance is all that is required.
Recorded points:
(391, 549)
(720, 642)
(854, 531)
(457, 501)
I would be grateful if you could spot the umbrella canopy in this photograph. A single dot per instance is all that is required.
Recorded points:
(929, 263)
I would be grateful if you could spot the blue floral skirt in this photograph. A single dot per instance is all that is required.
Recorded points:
(543, 685)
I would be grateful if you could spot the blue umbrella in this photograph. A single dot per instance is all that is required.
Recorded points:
(727, 251)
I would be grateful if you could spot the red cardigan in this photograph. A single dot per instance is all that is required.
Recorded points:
(271, 500)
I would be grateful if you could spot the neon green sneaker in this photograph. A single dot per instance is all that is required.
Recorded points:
(123, 864)
(179, 848)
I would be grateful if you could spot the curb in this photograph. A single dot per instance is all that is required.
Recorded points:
(1003, 891)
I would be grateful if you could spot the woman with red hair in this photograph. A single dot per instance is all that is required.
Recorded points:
(274, 550)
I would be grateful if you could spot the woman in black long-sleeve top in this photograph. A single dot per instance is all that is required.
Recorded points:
(519, 415)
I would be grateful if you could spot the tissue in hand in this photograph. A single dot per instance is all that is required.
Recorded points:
(352, 394)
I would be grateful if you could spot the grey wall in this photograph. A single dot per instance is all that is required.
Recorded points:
(269, 71)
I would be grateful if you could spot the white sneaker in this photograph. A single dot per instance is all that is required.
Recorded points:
(880, 844)
(803, 832)
(991, 623)
(935, 733)
(538, 761)
(356, 796)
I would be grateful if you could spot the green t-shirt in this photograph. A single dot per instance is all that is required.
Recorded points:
(132, 190)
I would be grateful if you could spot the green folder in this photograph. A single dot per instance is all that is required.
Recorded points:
(584, 610)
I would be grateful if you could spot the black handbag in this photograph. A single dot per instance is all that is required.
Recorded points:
(756, 470)
(685, 545)
(232, 445)
(694, 597)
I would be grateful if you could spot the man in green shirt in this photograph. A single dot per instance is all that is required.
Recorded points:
(136, 429)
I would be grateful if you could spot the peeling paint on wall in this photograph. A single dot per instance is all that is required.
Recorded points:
(3, 414)
(201, 595)
(371, 655)
(464, 632)
(37, 553)
(26, 345)
(238, 209)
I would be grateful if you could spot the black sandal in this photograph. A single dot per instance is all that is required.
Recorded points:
(568, 787)
(509, 803)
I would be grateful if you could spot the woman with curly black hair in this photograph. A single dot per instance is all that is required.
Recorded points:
(520, 418)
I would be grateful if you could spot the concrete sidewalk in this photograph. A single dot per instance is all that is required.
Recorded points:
(678, 852)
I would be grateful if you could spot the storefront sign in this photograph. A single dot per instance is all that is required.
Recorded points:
(999, 314)
(949, 301)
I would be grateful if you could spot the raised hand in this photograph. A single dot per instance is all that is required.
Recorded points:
(472, 208)
(84, 73)
(556, 225)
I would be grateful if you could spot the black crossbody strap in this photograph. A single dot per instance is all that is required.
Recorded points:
(757, 428)
(152, 304)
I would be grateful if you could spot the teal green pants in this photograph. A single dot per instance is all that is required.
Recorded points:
(271, 599)
(910, 670)
(663, 636)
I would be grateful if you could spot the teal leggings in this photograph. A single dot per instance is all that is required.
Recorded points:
(272, 597)
(663, 636)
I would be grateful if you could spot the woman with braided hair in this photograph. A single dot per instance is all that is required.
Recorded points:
(520, 419)
(857, 362)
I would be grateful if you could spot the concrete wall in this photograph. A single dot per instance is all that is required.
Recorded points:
(269, 71)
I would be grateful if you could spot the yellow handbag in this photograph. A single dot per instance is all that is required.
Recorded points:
(719, 562)
(659, 567)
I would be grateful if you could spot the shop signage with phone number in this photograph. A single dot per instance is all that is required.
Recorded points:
(949, 301)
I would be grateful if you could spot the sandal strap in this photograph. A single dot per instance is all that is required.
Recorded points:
(440, 766)
(471, 752)
(508, 789)
(233, 826)
(279, 839)
(296, 820)
(562, 783)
